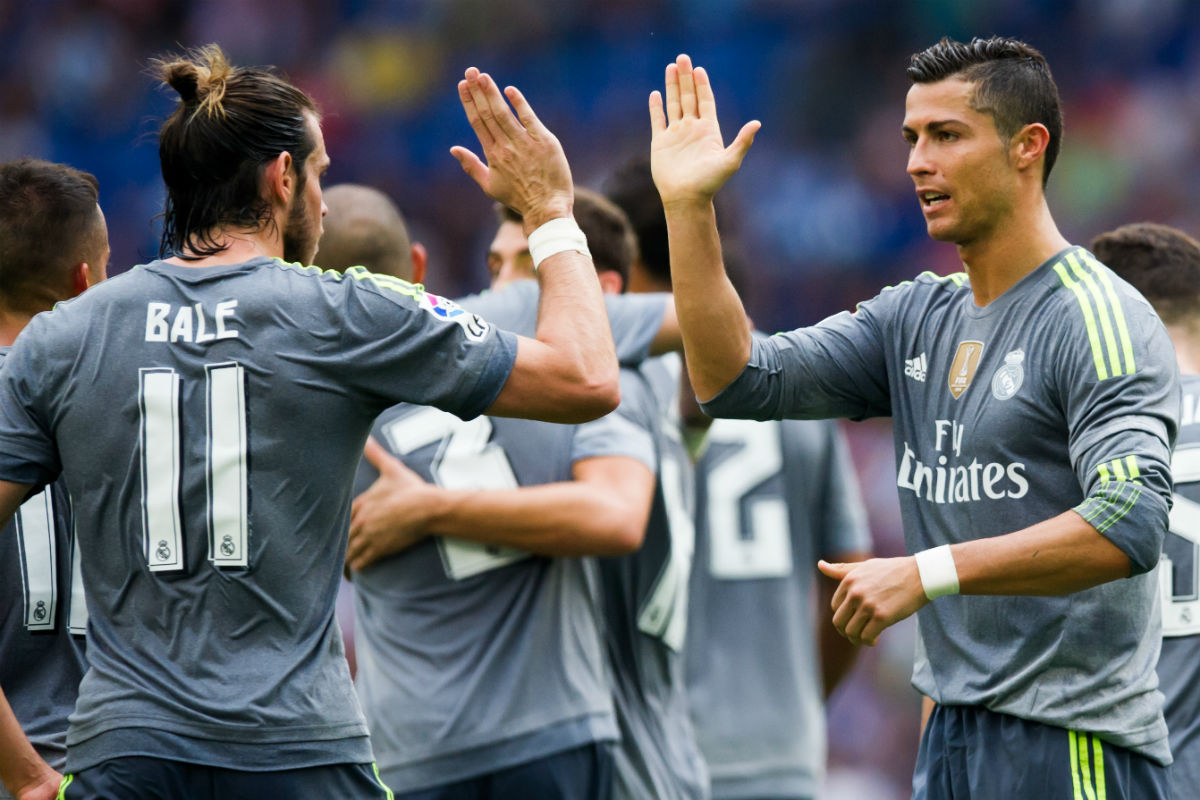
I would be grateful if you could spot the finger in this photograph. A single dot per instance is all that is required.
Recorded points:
(687, 86)
(487, 117)
(472, 111)
(473, 166)
(835, 571)
(741, 143)
(706, 102)
(377, 456)
(857, 622)
(658, 119)
(674, 112)
(842, 614)
(524, 111)
(502, 115)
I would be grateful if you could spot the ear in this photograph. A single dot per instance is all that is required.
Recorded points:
(420, 260)
(1029, 145)
(610, 281)
(280, 179)
(79, 278)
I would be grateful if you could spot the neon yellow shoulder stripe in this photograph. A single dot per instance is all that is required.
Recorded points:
(1089, 320)
(1118, 311)
(398, 285)
(1102, 311)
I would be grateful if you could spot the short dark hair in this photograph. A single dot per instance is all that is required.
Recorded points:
(49, 223)
(230, 122)
(632, 188)
(1012, 83)
(364, 228)
(1161, 262)
(610, 237)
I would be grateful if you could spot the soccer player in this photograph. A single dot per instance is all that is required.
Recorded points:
(363, 227)
(771, 498)
(1163, 263)
(481, 667)
(1032, 449)
(53, 245)
(207, 411)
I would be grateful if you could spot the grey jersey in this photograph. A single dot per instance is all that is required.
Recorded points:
(645, 602)
(1179, 577)
(42, 620)
(471, 658)
(182, 406)
(1061, 393)
(771, 498)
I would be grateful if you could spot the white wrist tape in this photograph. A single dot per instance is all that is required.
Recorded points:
(556, 236)
(939, 576)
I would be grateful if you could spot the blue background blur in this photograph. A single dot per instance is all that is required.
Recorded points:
(822, 211)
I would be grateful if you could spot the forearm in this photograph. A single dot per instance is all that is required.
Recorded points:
(557, 519)
(711, 318)
(20, 765)
(1058, 556)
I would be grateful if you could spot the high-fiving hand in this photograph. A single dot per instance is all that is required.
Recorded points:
(526, 169)
(688, 158)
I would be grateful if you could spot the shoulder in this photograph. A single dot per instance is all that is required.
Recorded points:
(927, 287)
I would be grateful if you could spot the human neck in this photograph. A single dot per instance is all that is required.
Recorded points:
(1011, 251)
(11, 324)
(239, 246)
(1187, 348)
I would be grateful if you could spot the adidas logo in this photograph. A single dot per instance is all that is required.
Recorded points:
(916, 368)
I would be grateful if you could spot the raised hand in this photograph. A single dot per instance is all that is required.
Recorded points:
(688, 158)
(874, 595)
(390, 516)
(526, 169)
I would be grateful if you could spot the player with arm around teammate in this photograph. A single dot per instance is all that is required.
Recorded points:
(53, 245)
(1032, 460)
(1163, 263)
(178, 403)
(481, 667)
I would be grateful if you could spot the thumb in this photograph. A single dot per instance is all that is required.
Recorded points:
(471, 165)
(378, 457)
(741, 143)
(835, 571)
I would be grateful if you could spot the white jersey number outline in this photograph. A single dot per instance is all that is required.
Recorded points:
(764, 550)
(1181, 615)
(39, 573)
(466, 459)
(226, 470)
(664, 614)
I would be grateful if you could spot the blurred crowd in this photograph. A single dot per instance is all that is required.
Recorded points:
(822, 214)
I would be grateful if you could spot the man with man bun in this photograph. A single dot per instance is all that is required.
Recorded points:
(179, 403)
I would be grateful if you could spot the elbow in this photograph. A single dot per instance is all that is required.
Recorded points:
(594, 397)
(626, 537)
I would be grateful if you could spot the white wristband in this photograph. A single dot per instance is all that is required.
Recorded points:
(556, 236)
(939, 576)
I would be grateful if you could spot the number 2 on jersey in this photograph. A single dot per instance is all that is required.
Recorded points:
(466, 459)
(162, 466)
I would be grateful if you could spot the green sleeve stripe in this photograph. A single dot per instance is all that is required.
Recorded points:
(1085, 278)
(1134, 472)
(1103, 469)
(1118, 313)
(1119, 470)
(1101, 791)
(67, 780)
(1089, 320)
(1115, 501)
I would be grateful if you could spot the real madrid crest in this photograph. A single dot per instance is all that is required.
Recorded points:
(1010, 376)
(962, 370)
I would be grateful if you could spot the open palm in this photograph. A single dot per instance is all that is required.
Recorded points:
(688, 158)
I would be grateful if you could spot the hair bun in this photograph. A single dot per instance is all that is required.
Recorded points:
(199, 76)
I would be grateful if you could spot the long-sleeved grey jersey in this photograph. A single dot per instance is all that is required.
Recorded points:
(1061, 393)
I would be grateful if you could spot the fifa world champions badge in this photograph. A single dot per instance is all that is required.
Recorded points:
(1010, 376)
(962, 371)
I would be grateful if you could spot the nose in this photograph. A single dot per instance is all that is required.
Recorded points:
(918, 160)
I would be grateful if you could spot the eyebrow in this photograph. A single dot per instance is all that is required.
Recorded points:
(936, 125)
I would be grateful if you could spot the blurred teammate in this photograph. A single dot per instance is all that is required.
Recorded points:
(771, 498)
(53, 245)
(1035, 393)
(1164, 265)
(364, 228)
(181, 400)
(481, 667)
